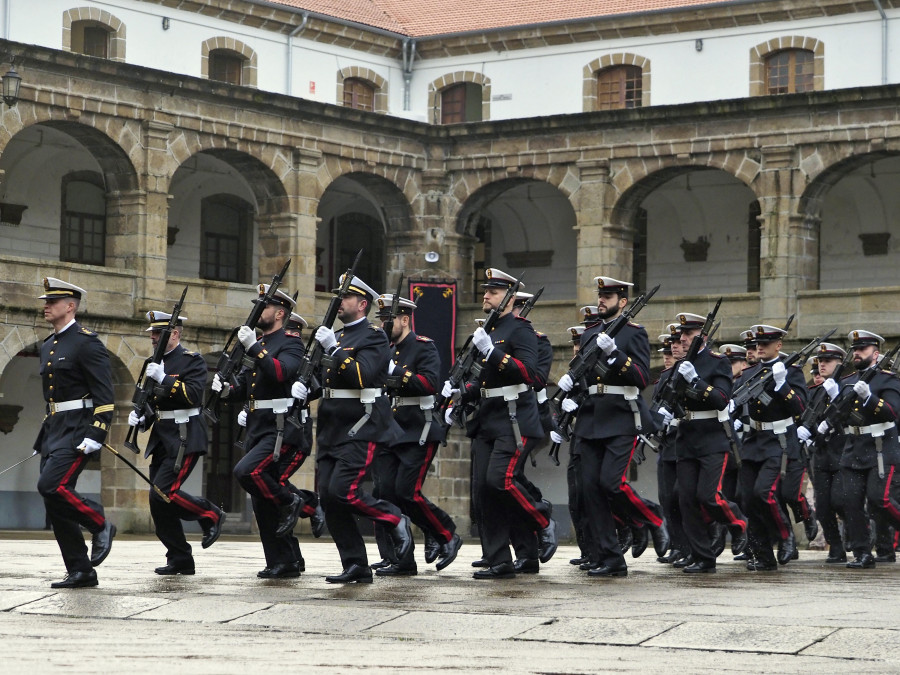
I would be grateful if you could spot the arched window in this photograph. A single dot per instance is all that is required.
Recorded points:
(461, 103)
(790, 71)
(359, 94)
(619, 87)
(226, 235)
(225, 59)
(83, 228)
(91, 38)
(226, 66)
(93, 32)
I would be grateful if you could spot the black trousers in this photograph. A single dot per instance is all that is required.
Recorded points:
(279, 550)
(504, 501)
(604, 464)
(883, 496)
(341, 470)
(667, 486)
(258, 473)
(792, 490)
(829, 490)
(702, 502)
(183, 506)
(760, 482)
(524, 537)
(576, 501)
(67, 510)
(399, 473)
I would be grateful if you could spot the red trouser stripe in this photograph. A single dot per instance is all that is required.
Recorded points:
(509, 484)
(353, 493)
(886, 498)
(632, 496)
(175, 495)
(292, 466)
(69, 496)
(256, 477)
(722, 502)
(801, 498)
(775, 509)
(419, 498)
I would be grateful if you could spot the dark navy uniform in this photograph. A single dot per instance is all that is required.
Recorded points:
(872, 427)
(359, 363)
(703, 449)
(828, 482)
(510, 370)
(667, 482)
(606, 431)
(771, 433)
(181, 390)
(75, 371)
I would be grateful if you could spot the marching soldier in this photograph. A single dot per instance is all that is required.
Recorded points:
(770, 438)
(77, 382)
(402, 466)
(703, 445)
(606, 430)
(505, 418)
(871, 452)
(828, 483)
(178, 432)
(737, 357)
(355, 422)
(265, 385)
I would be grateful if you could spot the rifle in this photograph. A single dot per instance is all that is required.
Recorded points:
(465, 367)
(587, 359)
(229, 362)
(529, 303)
(756, 388)
(812, 414)
(314, 352)
(144, 387)
(395, 306)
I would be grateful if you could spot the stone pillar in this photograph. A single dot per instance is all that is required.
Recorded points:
(604, 247)
(789, 241)
(305, 207)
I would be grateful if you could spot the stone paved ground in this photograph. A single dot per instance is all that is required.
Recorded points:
(807, 617)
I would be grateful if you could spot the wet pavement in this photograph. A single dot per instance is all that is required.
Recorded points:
(806, 617)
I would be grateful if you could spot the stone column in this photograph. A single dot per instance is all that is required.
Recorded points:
(305, 208)
(789, 241)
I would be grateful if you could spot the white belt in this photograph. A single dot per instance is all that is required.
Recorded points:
(720, 415)
(363, 395)
(778, 426)
(180, 416)
(673, 423)
(630, 393)
(63, 406)
(276, 405)
(875, 429)
(509, 393)
(424, 402)
(542, 395)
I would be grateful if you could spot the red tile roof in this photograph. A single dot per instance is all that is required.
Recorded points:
(424, 18)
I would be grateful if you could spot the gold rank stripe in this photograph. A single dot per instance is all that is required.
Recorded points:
(104, 409)
(101, 425)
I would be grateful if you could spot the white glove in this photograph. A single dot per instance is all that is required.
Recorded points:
(831, 388)
(823, 427)
(135, 420)
(557, 438)
(246, 336)
(156, 371)
(482, 341)
(566, 383)
(391, 366)
(687, 371)
(219, 386)
(568, 405)
(606, 343)
(449, 391)
(803, 434)
(731, 406)
(89, 445)
(299, 391)
(448, 415)
(666, 415)
(738, 425)
(862, 390)
(325, 337)
(779, 374)
(242, 418)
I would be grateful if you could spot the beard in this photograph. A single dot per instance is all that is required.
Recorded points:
(862, 364)
(609, 313)
(265, 324)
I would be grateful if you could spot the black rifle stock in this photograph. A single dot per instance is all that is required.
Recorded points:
(395, 306)
(143, 388)
(230, 361)
(756, 388)
(530, 302)
(588, 359)
(314, 352)
(813, 413)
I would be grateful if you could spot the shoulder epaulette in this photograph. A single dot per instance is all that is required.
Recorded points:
(524, 318)
(188, 353)
(540, 334)
(591, 325)
(85, 331)
(422, 338)
(716, 355)
(634, 325)
(376, 328)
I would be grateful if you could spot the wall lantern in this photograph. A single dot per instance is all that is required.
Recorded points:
(10, 83)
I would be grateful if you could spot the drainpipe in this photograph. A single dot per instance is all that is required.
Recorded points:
(6, 14)
(409, 55)
(884, 42)
(289, 89)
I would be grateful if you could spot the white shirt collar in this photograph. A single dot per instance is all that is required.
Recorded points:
(66, 327)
